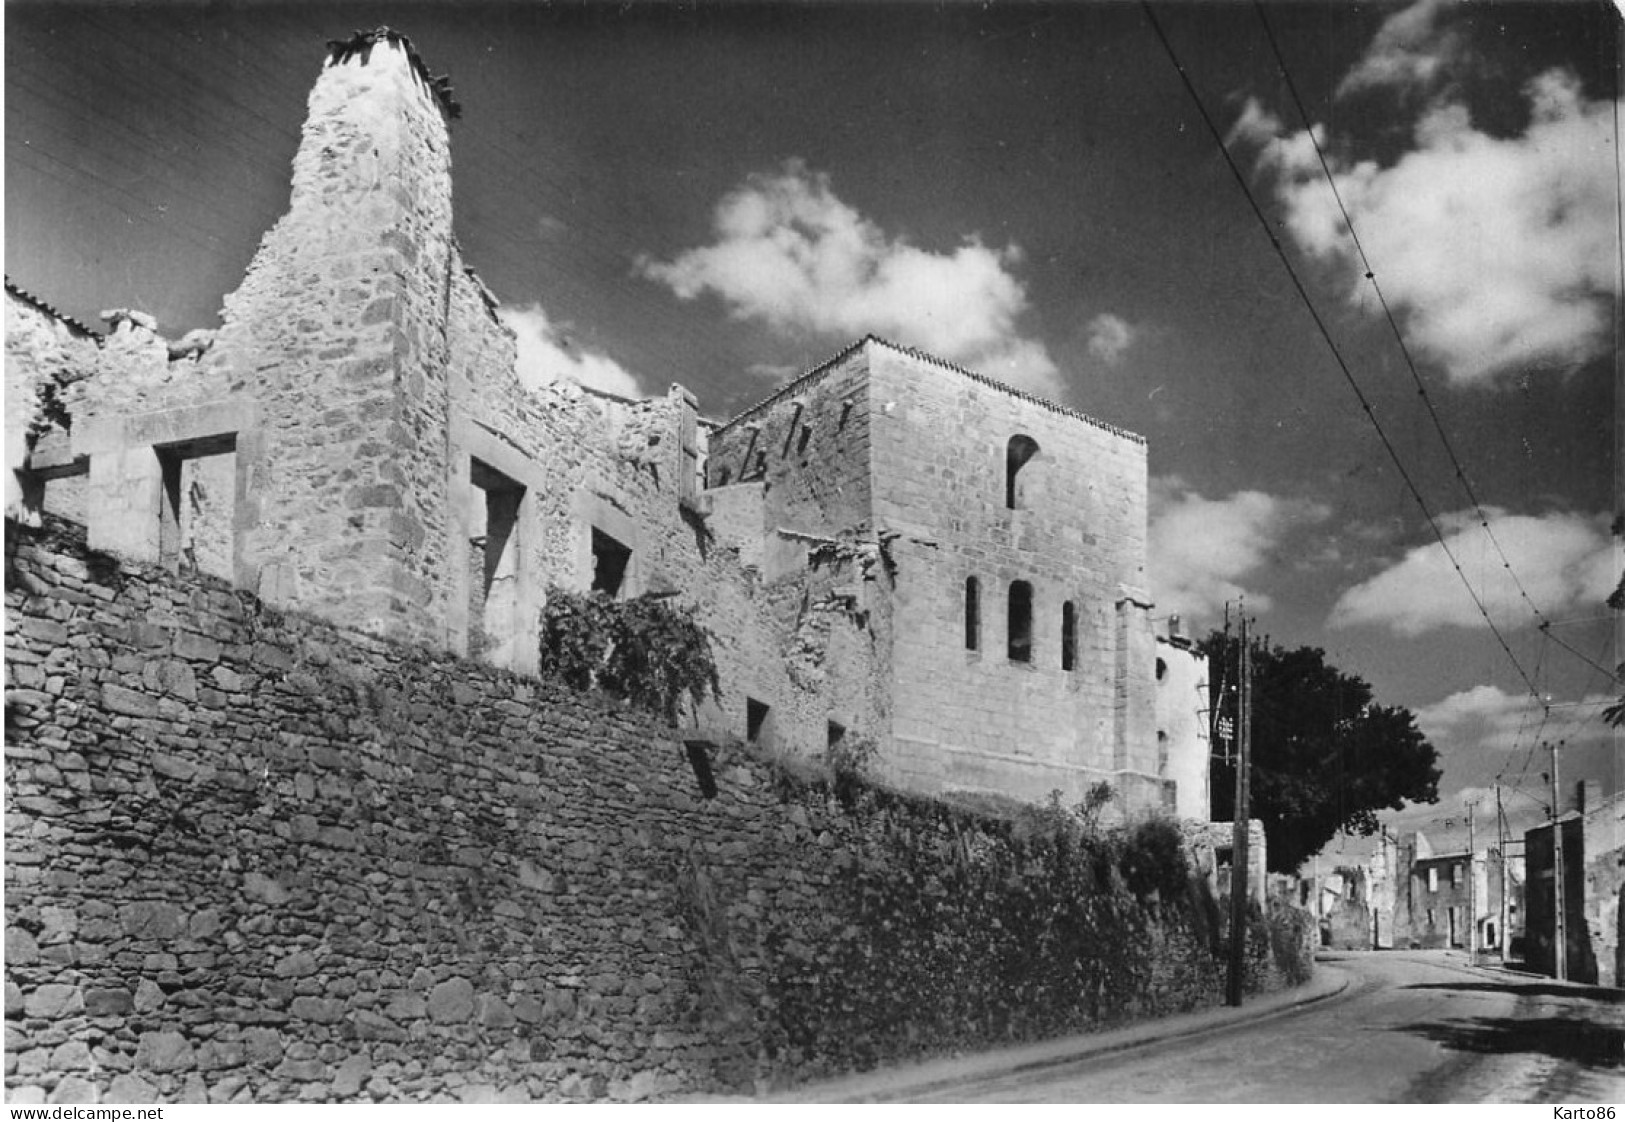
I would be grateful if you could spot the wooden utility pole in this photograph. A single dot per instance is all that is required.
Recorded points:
(1472, 890)
(1560, 926)
(1506, 876)
(1238, 833)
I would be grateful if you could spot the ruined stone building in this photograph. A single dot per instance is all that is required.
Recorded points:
(888, 547)
(1593, 863)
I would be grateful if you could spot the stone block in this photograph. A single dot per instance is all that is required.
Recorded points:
(262, 1045)
(131, 703)
(452, 1001)
(110, 1002)
(73, 1089)
(371, 1026)
(71, 1055)
(264, 889)
(152, 919)
(164, 1052)
(21, 949)
(300, 964)
(54, 1000)
(493, 1012)
(131, 1088)
(407, 1007)
(148, 996)
(318, 1010)
(351, 1076)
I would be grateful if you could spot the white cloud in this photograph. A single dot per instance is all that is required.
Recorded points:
(545, 354)
(789, 253)
(1484, 716)
(1110, 337)
(1563, 560)
(1486, 736)
(1496, 251)
(1410, 50)
(1200, 549)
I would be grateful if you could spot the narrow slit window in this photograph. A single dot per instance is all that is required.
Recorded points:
(699, 758)
(756, 716)
(1021, 621)
(1017, 455)
(1069, 636)
(973, 614)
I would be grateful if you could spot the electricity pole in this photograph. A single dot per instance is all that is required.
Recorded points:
(1561, 959)
(1238, 834)
(1501, 848)
(1472, 891)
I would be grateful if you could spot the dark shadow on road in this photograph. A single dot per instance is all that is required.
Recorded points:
(1561, 1038)
(1526, 989)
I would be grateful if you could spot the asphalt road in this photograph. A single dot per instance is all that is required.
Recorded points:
(1413, 1027)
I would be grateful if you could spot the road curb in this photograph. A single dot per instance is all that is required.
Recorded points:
(898, 1086)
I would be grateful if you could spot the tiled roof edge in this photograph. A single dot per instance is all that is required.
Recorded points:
(803, 380)
(28, 297)
(796, 384)
(1053, 407)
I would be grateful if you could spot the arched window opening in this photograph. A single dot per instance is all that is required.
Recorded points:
(973, 614)
(1017, 454)
(1069, 636)
(1021, 621)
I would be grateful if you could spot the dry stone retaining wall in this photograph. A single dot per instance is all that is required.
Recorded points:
(256, 858)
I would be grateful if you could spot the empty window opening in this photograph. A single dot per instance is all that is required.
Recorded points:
(803, 439)
(756, 721)
(1017, 454)
(1162, 670)
(973, 614)
(699, 758)
(197, 505)
(609, 562)
(1162, 751)
(493, 585)
(1069, 636)
(836, 733)
(1021, 621)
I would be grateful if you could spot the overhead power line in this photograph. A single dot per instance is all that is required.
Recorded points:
(1399, 338)
(1337, 355)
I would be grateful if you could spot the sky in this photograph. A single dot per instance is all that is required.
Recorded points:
(724, 195)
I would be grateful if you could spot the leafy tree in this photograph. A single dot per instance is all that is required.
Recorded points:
(1325, 756)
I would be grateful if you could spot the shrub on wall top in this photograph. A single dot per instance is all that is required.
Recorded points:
(648, 650)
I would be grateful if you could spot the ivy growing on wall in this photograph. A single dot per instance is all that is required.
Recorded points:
(649, 651)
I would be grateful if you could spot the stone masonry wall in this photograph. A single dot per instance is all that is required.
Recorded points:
(969, 718)
(257, 858)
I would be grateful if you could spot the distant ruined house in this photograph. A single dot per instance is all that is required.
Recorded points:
(889, 546)
(1593, 863)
